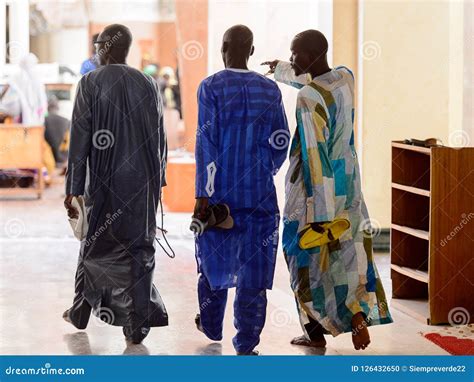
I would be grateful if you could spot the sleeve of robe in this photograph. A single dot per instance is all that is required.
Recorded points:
(163, 151)
(206, 142)
(285, 74)
(318, 172)
(80, 140)
(280, 138)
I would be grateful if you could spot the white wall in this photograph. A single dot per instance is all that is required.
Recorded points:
(121, 11)
(274, 24)
(468, 101)
(19, 38)
(70, 46)
(2, 33)
(412, 85)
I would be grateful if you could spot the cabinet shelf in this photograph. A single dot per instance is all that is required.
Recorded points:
(427, 203)
(413, 273)
(422, 234)
(414, 190)
(416, 308)
(418, 149)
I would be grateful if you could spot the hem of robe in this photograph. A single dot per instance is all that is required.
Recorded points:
(337, 329)
(328, 324)
(159, 318)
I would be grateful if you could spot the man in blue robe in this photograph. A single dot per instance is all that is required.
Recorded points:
(242, 140)
(93, 61)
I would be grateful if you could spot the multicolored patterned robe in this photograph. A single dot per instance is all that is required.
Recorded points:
(334, 281)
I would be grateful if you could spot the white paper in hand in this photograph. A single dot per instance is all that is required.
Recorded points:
(79, 226)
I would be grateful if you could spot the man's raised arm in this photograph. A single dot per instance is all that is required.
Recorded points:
(284, 73)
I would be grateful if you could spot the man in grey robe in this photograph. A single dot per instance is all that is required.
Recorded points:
(117, 160)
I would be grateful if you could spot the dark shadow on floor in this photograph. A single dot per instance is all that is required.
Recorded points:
(78, 343)
(312, 351)
(211, 349)
(139, 349)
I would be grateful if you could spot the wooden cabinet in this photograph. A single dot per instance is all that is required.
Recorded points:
(432, 232)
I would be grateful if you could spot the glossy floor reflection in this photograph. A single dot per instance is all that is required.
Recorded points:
(37, 265)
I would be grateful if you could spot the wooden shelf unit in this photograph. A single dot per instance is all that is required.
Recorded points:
(414, 190)
(432, 231)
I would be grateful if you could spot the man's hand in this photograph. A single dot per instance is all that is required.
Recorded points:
(72, 212)
(200, 209)
(272, 65)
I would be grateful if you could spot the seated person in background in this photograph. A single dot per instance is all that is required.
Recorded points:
(23, 101)
(56, 132)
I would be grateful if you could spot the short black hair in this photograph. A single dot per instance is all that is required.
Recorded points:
(117, 35)
(239, 37)
(115, 40)
(312, 41)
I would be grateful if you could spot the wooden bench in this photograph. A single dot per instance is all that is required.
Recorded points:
(21, 147)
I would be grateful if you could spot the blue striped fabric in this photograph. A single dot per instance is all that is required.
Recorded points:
(241, 142)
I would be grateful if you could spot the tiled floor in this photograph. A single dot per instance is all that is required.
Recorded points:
(37, 264)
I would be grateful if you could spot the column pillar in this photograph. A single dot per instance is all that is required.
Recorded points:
(19, 23)
(192, 37)
(3, 22)
(192, 41)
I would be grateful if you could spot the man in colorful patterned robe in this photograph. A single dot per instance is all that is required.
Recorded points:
(336, 285)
